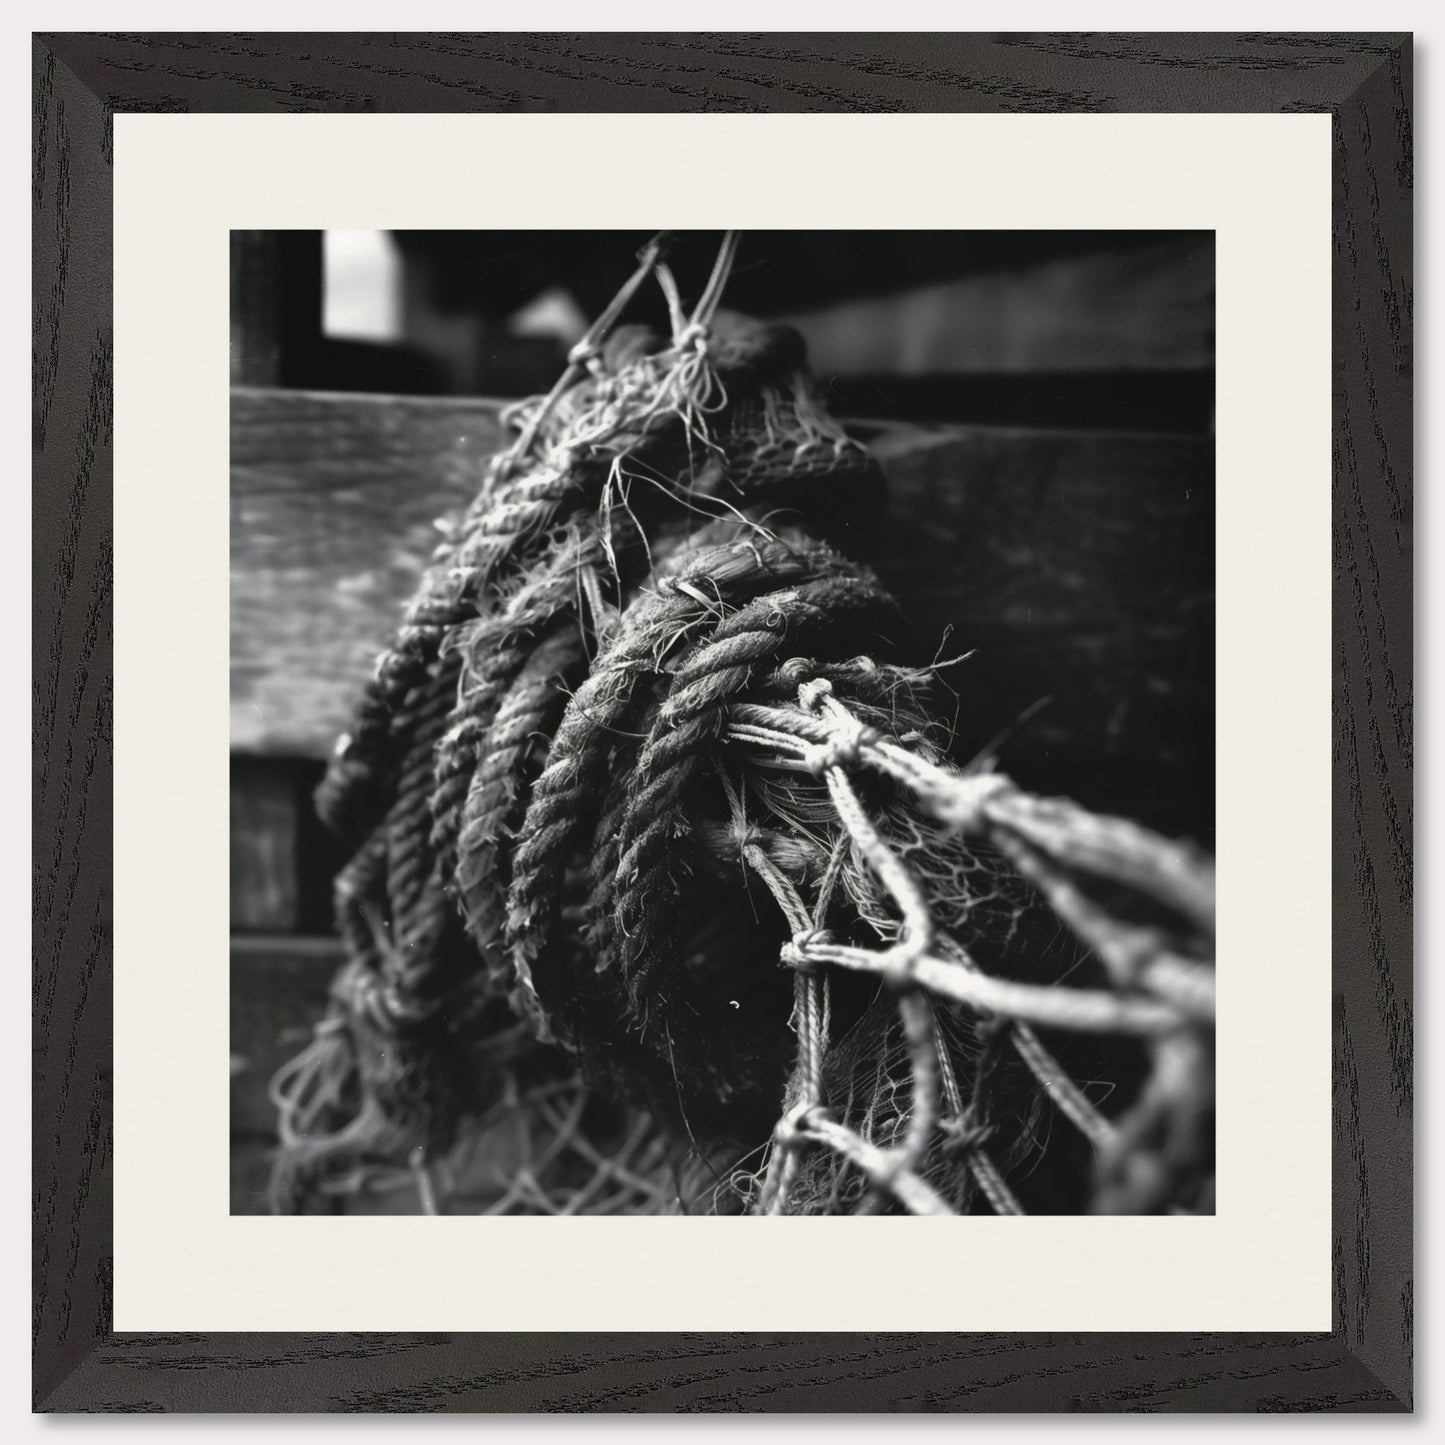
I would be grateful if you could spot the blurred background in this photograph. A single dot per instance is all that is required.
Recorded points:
(1108, 330)
(1042, 402)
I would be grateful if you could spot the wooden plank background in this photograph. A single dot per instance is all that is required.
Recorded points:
(265, 878)
(334, 501)
(1130, 310)
(1077, 566)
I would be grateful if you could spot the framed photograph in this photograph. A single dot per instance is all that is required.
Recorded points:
(723, 722)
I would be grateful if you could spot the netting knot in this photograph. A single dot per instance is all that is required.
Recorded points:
(798, 1123)
(900, 963)
(964, 1135)
(844, 749)
(586, 352)
(796, 952)
(963, 806)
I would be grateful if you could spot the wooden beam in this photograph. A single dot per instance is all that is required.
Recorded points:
(1125, 309)
(275, 306)
(334, 501)
(1078, 571)
(265, 873)
(1076, 566)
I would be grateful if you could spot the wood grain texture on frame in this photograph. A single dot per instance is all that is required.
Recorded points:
(81, 80)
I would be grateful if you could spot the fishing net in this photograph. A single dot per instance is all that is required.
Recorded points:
(667, 895)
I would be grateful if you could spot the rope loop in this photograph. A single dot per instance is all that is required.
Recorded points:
(797, 670)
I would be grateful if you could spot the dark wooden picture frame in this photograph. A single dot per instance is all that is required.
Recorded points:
(1364, 1363)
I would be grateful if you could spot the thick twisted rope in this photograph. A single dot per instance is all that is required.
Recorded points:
(508, 511)
(527, 711)
(689, 590)
(687, 725)
(494, 650)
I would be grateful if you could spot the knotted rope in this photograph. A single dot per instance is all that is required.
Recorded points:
(644, 769)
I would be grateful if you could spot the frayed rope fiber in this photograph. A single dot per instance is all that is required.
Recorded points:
(666, 896)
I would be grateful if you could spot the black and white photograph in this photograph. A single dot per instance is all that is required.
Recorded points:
(696, 626)
(722, 722)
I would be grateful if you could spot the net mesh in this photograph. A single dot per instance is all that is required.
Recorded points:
(667, 896)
